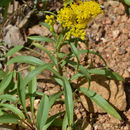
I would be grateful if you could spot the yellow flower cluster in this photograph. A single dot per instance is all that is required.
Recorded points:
(50, 20)
(75, 17)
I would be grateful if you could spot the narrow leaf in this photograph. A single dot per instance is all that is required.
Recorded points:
(14, 50)
(53, 97)
(100, 101)
(8, 97)
(41, 38)
(68, 100)
(76, 53)
(107, 73)
(5, 82)
(32, 86)
(42, 113)
(13, 109)
(9, 118)
(50, 121)
(84, 71)
(2, 74)
(21, 92)
(65, 122)
(26, 59)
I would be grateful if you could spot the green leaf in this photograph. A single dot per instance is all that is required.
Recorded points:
(85, 72)
(50, 121)
(107, 73)
(65, 122)
(68, 100)
(127, 2)
(100, 101)
(53, 97)
(48, 12)
(75, 76)
(5, 3)
(21, 92)
(9, 118)
(32, 86)
(68, 2)
(2, 74)
(45, 25)
(8, 97)
(48, 27)
(26, 59)
(52, 58)
(76, 53)
(44, 4)
(41, 38)
(57, 122)
(42, 113)
(15, 110)
(34, 73)
(14, 50)
(59, 81)
(5, 82)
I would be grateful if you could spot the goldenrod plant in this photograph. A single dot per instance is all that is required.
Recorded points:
(73, 19)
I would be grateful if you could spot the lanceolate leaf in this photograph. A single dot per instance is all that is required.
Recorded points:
(32, 86)
(41, 38)
(13, 50)
(26, 59)
(42, 113)
(21, 92)
(15, 110)
(53, 97)
(8, 97)
(107, 73)
(2, 74)
(68, 100)
(9, 118)
(85, 72)
(5, 82)
(76, 53)
(52, 58)
(65, 122)
(100, 101)
(34, 73)
(50, 121)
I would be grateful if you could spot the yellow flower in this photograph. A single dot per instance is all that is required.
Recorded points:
(75, 17)
(50, 20)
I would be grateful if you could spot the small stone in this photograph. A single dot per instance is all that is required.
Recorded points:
(128, 69)
(126, 74)
(115, 33)
(114, 3)
(122, 50)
